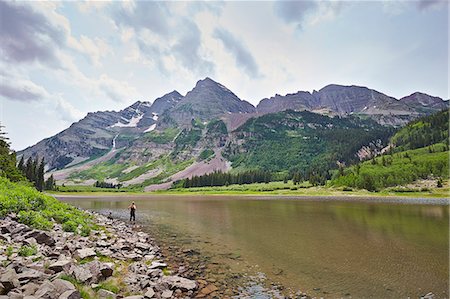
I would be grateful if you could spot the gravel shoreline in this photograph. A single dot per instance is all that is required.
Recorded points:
(114, 261)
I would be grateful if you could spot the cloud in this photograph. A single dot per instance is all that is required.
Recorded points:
(243, 57)
(66, 111)
(27, 36)
(428, 4)
(295, 12)
(162, 35)
(17, 89)
(309, 12)
(141, 15)
(187, 50)
(116, 90)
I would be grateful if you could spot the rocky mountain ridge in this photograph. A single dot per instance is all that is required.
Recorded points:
(175, 126)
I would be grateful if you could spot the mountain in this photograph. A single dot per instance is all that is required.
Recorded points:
(301, 141)
(210, 129)
(344, 100)
(97, 133)
(424, 103)
(206, 101)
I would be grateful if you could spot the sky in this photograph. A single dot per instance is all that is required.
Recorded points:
(61, 60)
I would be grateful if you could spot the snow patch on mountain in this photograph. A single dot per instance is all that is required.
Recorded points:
(132, 123)
(151, 128)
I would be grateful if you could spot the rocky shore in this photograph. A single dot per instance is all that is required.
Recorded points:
(114, 261)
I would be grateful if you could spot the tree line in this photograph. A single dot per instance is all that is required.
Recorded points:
(31, 170)
(219, 178)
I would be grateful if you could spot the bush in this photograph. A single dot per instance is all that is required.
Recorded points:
(35, 219)
(27, 250)
(39, 210)
(70, 226)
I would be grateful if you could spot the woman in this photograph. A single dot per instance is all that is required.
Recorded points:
(132, 208)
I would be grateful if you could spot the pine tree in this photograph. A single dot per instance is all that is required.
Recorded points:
(50, 183)
(40, 176)
(21, 165)
(29, 171)
(8, 167)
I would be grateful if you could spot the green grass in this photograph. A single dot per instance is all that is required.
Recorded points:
(166, 136)
(37, 209)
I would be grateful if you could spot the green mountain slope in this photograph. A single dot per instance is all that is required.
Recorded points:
(423, 132)
(301, 141)
(420, 152)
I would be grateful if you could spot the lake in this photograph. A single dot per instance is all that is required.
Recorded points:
(327, 248)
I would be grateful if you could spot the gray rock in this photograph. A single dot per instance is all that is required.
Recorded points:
(150, 293)
(106, 269)
(104, 294)
(29, 297)
(47, 290)
(142, 246)
(29, 289)
(31, 274)
(134, 297)
(62, 285)
(60, 265)
(81, 274)
(84, 253)
(9, 280)
(70, 294)
(166, 294)
(41, 237)
(177, 282)
(15, 295)
(158, 265)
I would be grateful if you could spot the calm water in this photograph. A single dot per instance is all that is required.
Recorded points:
(325, 248)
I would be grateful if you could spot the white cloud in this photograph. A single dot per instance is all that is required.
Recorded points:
(118, 91)
(66, 111)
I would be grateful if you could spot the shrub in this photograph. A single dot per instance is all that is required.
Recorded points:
(39, 210)
(27, 250)
(70, 226)
(35, 219)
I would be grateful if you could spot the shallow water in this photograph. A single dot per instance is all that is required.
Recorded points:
(324, 248)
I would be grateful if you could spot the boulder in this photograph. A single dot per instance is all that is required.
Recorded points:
(15, 295)
(60, 265)
(41, 237)
(84, 253)
(106, 269)
(166, 294)
(206, 291)
(46, 290)
(104, 294)
(81, 274)
(70, 294)
(31, 274)
(157, 265)
(9, 280)
(150, 293)
(29, 289)
(142, 246)
(62, 285)
(177, 282)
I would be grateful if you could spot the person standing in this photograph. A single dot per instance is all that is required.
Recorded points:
(132, 208)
